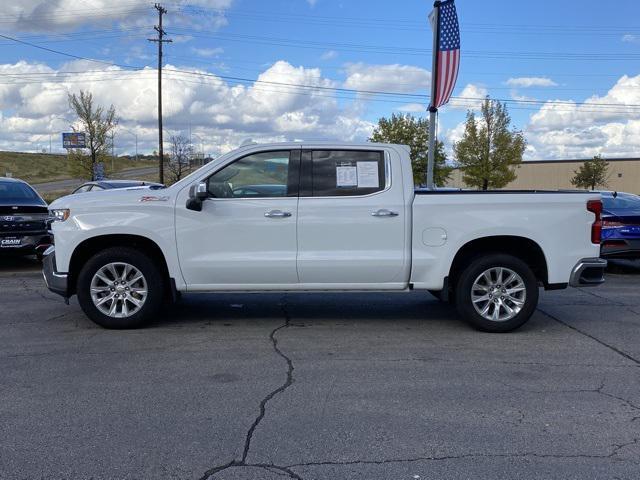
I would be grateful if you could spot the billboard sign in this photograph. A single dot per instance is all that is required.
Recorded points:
(73, 140)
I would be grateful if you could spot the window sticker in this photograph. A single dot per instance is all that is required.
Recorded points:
(368, 175)
(346, 176)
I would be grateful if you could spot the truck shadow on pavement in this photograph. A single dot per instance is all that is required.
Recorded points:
(338, 309)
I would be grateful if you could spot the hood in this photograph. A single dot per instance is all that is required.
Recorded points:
(112, 198)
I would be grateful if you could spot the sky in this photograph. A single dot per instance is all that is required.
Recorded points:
(568, 71)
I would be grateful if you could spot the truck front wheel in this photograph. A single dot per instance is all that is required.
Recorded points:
(497, 293)
(120, 287)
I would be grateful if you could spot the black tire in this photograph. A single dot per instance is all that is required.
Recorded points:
(469, 275)
(154, 279)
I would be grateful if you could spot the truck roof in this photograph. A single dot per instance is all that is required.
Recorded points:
(321, 143)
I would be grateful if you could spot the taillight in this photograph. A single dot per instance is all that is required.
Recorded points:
(595, 207)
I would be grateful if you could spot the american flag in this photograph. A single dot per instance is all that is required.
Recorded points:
(448, 54)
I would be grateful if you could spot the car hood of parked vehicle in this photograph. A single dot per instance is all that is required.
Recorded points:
(112, 198)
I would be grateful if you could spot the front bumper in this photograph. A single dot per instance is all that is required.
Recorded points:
(588, 272)
(56, 282)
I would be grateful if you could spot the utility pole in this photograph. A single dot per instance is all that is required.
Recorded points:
(160, 40)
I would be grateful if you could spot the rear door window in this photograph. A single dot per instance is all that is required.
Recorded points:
(345, 172)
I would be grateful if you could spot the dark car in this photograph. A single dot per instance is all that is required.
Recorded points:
(110, 184)
(620, 225)
(23, 219)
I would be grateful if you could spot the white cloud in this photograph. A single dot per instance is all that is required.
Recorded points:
(60, 15)
(207, 52)
(392, 78)
(455, 134)
(523, 98)
(222, 114)
(629, 38)
(580, 130)
(329, 55)
(471, 97)
(526, 82)
(413, 108)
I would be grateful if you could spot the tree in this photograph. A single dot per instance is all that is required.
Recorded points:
(178, 161)
(488, 150)
(414, 132)
(97, 124)
(592, 174)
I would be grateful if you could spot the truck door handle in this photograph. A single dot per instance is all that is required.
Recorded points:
(277, 214)
(383, 212)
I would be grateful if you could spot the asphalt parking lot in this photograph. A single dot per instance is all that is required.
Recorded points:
(320, 386)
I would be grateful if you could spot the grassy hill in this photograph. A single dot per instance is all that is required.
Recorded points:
(45, 167)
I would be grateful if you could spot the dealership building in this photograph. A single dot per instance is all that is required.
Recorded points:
(624, 175)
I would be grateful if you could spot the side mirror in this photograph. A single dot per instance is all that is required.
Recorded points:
(197, 193)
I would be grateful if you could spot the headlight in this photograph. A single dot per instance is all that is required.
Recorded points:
(59, 214)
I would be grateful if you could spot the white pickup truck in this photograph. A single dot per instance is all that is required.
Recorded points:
(320, 217)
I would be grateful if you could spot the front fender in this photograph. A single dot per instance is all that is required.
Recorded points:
(81, 227)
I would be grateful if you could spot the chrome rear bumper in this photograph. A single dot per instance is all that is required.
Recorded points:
(588, 272)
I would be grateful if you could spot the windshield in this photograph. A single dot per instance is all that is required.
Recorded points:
(17, 192)
(625, 201)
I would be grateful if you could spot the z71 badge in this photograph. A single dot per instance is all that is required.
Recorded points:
(154, 198)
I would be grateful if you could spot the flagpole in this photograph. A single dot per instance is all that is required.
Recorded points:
(433, 110)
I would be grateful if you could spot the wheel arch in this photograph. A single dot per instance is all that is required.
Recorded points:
(89, 247)
(523, 248)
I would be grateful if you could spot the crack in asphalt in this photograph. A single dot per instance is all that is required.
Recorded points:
(262, 411)
(596, 339)
(599, 390)
(602, 297)
(489, 362)
(615, 449)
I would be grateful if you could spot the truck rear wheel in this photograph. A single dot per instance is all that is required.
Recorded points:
(497, 293)
(120, 288)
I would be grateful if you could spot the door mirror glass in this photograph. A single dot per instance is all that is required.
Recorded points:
(197, 193)
(201, 192)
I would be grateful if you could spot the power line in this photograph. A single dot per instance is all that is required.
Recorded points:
(327, 88)
(70, 55)
(400, 50)
(418, 26)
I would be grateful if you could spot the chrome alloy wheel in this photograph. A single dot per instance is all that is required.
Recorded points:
(498, 294)
(118, 290)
